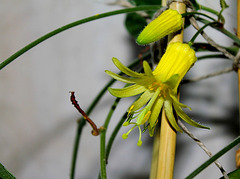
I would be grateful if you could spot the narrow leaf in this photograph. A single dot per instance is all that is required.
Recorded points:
(5, 174)
(214, 158)
(234, 174)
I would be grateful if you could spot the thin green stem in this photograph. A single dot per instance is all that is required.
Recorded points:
(208, 9)
(75, 149)
(204, 47)
(211, 56)
(103, 140)
(197, 13)
(114, 134)
(221, 29)
(214, 158)
(219, 14)
(112, 138)
(90, 109)
(74, 24)
(199, 31)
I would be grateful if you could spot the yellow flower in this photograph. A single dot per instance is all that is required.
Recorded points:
(168, 22)
(158, 89)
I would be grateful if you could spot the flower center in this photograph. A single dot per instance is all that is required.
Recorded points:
(163, 88)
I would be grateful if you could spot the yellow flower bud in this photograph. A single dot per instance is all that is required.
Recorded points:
(168, 22)
(177, 59)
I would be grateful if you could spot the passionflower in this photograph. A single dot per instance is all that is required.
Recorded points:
(168, 22)
(158, 89)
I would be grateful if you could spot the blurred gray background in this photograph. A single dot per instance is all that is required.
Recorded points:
(38, 122)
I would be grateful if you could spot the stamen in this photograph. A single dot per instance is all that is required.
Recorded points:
(145, 127)
(126, 123)
(155, 85)
(129, 117)
(125, 135)
(146, 117)
(140, 136)
(130, 109)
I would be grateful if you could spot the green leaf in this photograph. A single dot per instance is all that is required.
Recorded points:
(5, 174)
(135, 24)
(234, 174)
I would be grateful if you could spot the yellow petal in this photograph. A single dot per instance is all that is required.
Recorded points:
(168, 22)
(177, 59)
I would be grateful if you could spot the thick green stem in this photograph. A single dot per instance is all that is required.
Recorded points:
(73, 24)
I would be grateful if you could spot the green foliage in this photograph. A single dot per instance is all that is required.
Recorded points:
(195, 4)
(223, 4)
(134, 24)
(234, 174)
(214, 158)
(145, 2)
(5, 174)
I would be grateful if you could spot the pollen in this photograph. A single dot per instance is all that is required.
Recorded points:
(155, 85)
(130, 109)
(146, 117)
(125, 136)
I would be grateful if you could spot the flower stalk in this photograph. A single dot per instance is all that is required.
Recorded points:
(165, 140)
(237, 156)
